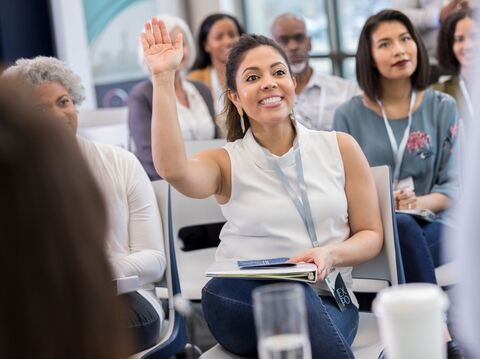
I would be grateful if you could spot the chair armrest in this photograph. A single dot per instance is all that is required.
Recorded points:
(446, 275)
(361, 285)
(127, 284)
(161, 292)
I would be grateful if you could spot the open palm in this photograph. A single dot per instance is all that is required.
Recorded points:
(161, 54)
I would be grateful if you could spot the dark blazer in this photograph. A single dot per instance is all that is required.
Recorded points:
(140, 121)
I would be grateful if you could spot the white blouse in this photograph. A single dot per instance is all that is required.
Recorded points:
(135, 238)
(195, 121)
(262, 221)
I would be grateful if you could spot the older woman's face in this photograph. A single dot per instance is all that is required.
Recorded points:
(54, 100)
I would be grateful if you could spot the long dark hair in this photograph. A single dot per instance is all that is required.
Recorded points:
(237, 54)
(57, 298)
(203, 58)
(368, 76)
(446, 58)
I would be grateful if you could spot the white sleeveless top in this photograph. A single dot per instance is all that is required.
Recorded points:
(263, 222)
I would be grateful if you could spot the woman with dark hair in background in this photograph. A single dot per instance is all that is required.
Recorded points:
(399, 123)
(57, 297)
(216, 36)
(457, 54)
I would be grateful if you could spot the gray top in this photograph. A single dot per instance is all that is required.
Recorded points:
(140, 121)
(398, 128)
(428, 157)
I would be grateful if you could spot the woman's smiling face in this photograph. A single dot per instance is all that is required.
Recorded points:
(465, 41)
(265, 88)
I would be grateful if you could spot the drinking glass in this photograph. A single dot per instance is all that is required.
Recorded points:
(281, 321)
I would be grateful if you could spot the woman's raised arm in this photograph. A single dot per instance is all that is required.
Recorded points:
(198, 177)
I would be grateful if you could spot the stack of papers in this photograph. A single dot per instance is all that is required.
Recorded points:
(264, 269)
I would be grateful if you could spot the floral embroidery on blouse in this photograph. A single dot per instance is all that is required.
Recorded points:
(453, 130)
(418, 140)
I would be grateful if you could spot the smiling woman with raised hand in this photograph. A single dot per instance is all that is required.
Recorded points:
(267, 151)
(399, 123)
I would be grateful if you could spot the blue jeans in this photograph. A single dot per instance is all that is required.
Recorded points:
(420, 247)
(143, 322)
(228, 309)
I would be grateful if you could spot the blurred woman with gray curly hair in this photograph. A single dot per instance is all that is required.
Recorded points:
(134, 241)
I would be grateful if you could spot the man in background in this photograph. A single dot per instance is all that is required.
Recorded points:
(318, 95)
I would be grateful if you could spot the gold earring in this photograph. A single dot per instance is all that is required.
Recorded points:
(242, 124)
(242, 120)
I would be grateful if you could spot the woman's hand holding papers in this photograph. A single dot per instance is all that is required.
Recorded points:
(321, 256)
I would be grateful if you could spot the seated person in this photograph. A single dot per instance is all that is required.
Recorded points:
(399, 123)
(457, 54)
(216, 36)
(427, 16)
(134, 244)
(57, 296)
(343, 226)
(194, 102)
(318, 95)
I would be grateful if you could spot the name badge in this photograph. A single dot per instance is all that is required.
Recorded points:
(338, 289)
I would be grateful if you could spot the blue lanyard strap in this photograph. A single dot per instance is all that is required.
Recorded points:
(301, 202)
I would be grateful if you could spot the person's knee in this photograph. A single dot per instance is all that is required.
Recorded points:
(143, 321)
(228, 310)
(405, 221)
(408, 230)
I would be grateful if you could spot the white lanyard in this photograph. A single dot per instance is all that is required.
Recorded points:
(397, 150)
(301, 202)
(466, 97)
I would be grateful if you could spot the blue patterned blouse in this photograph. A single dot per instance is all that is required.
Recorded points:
(428, 157)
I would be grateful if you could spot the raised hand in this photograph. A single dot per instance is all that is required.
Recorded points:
(161, 54)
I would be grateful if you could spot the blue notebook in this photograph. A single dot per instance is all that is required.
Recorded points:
(265, 263)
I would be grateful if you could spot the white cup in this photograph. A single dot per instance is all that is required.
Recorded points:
(411, 320)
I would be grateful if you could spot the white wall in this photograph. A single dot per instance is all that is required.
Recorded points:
(72, 44)
(70, 33)
(198, 10)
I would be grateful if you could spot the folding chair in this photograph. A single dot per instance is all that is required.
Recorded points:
(174, 338)
(186, 212)
(384, 270)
